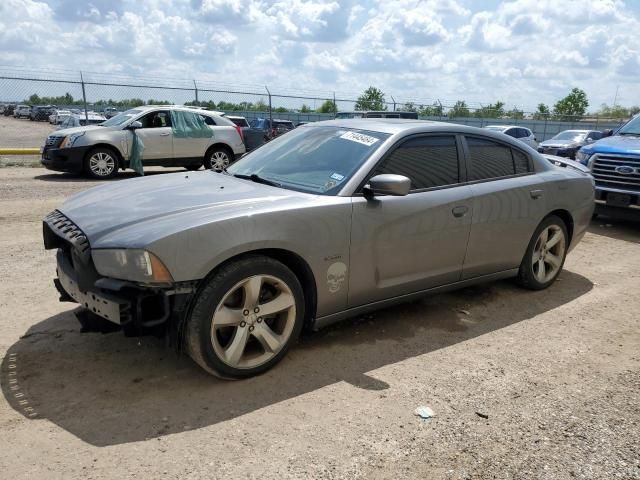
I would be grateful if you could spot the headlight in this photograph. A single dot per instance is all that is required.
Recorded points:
(69, 140)
(134, 265)
(583, 157)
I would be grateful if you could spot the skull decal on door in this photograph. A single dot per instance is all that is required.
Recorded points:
(335, 276)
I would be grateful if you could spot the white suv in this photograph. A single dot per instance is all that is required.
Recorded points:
(100, 150)
(520, 133)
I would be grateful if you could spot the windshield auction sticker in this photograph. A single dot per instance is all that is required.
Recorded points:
(360, 138)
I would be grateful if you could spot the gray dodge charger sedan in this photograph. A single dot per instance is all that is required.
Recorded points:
(325, 222)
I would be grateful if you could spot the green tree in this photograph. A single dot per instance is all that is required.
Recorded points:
(305, 108)
(434, 110)
(460, 109)
(371, 99)
(328, 106)
(542, 112)
(515, 114)
(617, 111)
(493, 110)
(409, 107)
(573, 105)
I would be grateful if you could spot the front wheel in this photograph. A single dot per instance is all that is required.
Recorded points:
(218, 159)
(101, 164)
(545, 255)
(245, 318)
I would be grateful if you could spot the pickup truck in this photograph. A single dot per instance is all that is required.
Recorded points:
(614, 162)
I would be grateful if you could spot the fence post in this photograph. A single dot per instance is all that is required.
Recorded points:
(597, 121)
(195, 86)
(84, 99)
(270, 111)
(335, 106)
(544, 133)
(394, 102)
(441, 112)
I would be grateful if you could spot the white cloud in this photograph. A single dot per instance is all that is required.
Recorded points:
(522, 51)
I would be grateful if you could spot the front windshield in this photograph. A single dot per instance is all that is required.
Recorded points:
(311, 159)
(121, 118)
(570, 135)
(631, 128)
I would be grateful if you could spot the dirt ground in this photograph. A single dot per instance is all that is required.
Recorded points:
(525, 385)
(22, 133)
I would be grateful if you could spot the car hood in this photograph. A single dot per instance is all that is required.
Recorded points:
(133, 213)
(86, 128)
(559, 143)
(615, 144)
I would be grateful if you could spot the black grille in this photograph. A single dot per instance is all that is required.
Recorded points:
(62, 227)
(606, 171)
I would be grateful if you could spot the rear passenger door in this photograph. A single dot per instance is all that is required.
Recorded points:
(189, 149)
(508, 204)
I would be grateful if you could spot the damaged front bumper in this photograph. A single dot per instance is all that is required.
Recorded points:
(136, 308)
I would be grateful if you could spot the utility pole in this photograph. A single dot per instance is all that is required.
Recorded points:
(615, 98)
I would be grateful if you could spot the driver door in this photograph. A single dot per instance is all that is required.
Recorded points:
(157, 136)
(401, 245)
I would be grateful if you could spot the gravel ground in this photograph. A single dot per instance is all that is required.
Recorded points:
(525, 385)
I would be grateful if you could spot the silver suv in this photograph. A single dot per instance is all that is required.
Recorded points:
(100, 150)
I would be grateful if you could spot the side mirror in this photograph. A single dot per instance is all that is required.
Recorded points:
(607, 133)
(134, 125)
(387, 184)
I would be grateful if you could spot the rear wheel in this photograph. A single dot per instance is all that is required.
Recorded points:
(245, 318)
(101, 163)
(544, 259)
(218, 158)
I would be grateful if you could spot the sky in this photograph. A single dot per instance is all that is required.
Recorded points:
(521, 52)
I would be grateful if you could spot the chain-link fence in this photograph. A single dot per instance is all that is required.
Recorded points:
(85, 93)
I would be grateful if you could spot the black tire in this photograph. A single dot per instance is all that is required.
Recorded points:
(217, 150)
(111, 168)
(526, 274)
(198, 338)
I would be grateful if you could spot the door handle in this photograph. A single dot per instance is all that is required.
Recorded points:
(535, 194)
(460, 210)
(165, 134)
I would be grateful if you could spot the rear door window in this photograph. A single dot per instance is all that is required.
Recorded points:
(493, 160)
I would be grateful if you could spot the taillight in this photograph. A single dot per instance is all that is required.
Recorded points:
(239, 130)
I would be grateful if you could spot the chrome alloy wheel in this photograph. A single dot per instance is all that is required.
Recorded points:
(253, 321)
(548, 253)
(102, 164)
(219, 160)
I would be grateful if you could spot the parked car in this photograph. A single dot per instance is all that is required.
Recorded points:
(377, 114)
(59, 116)
(252, 137)
(40, 113)
(8, 110)
(110, 112)
(80, 120)
(568, 142)
(269, 130)
(520, 133)
(329, 221)
(614, 162)
(22, 111)
(101, 150)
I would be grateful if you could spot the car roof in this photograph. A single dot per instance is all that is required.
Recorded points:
(577, 131)
(505, 126)
(383, 125)
(177, 107)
